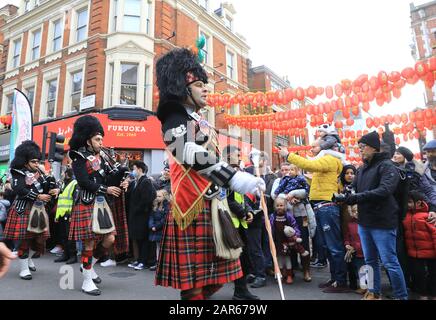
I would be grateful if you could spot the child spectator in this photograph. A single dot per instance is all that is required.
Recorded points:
(420, 236)
(329, 138)
(157, 221)
(280, 219)
(4, 207)
(291, 182)
(354, 254)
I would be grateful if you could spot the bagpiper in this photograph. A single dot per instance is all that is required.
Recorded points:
(195, 257)
(27, 219)
(92, 220)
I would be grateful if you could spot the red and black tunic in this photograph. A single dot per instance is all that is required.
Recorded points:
(93, 178)
(188, 256)
(27, 186)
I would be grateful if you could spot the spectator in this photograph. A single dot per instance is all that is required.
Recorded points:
(261, 256)
(63, 215)
(5, 259)
(326, 169)
(354, 254)
(242, 216)
(296, 192)
(4, 206)
(375, 185)
(140, 195)
(420, 239)
(164, 181)
(280, 219)
(428, 180)
(161, 207)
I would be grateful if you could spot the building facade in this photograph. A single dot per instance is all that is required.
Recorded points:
(76, 56)
(423, 23)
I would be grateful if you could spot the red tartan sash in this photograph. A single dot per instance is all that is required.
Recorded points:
(188, 189)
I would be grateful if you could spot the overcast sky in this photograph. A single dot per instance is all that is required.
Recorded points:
(319, 42)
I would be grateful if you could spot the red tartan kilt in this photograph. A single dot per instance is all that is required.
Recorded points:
(16, 225)
(187, 258)
(81, 223)
(118, 208)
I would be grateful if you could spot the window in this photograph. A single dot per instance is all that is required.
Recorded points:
(115, 11)
(228, 22)
(111, 79)
(129, 79)
(146, 86)
(203, 3)
(51, 98)
(132, 16)
(36, 44)
(57, 35)
(82, 24)
(76, 90)
(26, 5)
(230, 65)
(10, 103)
(31, 95)
(206, 47)
(17, 51)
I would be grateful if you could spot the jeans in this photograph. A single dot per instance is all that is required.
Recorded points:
(254, 245)
(328, 218)
(266, 249)
(318, 245)
(382, 242)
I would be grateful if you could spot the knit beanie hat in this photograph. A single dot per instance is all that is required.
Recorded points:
(406, 153)
(371, 139)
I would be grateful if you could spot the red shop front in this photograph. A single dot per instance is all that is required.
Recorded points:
(135, 140)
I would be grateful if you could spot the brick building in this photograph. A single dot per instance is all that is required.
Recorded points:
(59, 52)
(263, 79)
(423, 23)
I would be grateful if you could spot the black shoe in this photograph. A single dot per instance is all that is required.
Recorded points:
(250, 278)
(153, 268)
(72, 260)
(36, 255)
(247, 295)
(95, 292)
(258, 283)
(62, 258)
(97, 280)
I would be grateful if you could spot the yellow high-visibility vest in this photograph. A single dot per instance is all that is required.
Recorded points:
(239, 198)
(65, 200)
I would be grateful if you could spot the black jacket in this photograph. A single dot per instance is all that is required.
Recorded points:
(140, 199)
(375, 184)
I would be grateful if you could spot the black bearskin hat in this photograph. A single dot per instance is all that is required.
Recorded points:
(175, 71)
(85, 128)
(25, 152)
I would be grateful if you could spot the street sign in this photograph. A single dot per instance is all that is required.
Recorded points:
(87, 102)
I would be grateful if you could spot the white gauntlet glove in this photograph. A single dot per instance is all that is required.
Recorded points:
(243, 183)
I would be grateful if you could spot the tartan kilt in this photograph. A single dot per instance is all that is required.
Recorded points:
(81, 223)
(118, 208)
(16, 225)
(187, 258)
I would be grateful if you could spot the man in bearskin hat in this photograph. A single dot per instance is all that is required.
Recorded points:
(27, 219)
(92, 220)
(188, 260)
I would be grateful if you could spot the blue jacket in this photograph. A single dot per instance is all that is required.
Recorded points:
(288, 184)
(157, 220)
(428, 187)
(290, 221)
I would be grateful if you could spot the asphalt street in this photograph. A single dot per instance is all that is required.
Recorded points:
(122, 283)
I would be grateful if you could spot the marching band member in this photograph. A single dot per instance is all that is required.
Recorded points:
(92, 220)
(189, 258)
(28, 220)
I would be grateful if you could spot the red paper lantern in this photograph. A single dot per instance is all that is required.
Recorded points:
(421, 68)
(300, 94)
(397, 141)
(338, 90)
(339, 124)
(329, 92)
(289, 95)
(350, 122)
(382, 78)
(366, 106)
(408, 73)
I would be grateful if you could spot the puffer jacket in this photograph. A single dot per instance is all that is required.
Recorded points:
(351, 237)
(420, 236)
(326, 171)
